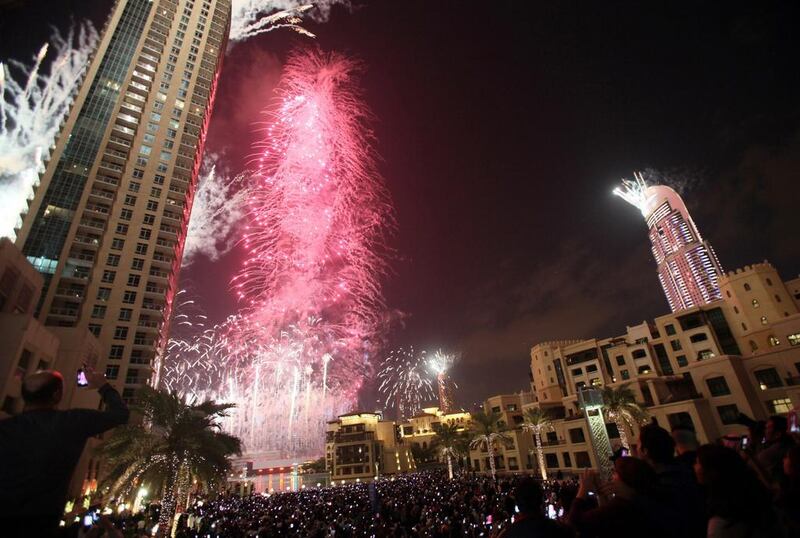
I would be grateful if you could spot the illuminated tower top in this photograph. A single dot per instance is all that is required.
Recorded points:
(688, 268)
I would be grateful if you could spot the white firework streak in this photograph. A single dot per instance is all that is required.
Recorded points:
(216, 211)
(31, 114)
(253, 17)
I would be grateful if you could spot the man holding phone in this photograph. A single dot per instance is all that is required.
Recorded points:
(40, 448)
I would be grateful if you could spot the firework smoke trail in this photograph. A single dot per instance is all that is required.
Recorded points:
(253, 17)
(317, 213)
(31, 113)
(218, 208)
(404, 381)
(440, 363)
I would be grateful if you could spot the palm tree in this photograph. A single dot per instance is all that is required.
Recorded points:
(621, 408)
(174, 442)
(537, 421)
(447, 441)
(485, 433)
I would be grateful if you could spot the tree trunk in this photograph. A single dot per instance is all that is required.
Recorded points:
(168, 504)
(623, 436)
(449, 465)
(540, 455)
(492, 466)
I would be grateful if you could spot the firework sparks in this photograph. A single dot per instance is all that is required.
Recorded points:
(254, 17)
(440, 363)
(31, 113)
(312, 313)
(404, 382)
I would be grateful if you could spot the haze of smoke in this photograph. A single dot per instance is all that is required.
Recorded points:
(32, 109)
(217, 209)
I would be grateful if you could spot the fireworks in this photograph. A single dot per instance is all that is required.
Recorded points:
(31, 113)
(312, 313)
(253, 17)
(404, 381)
(440, 363)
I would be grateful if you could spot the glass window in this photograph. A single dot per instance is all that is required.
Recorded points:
(670, 329)
(116, 352)
(764, 320)
(746, 286)
(129, 297)
(773, 341)
(620, 360)
(779, 406)
(133, 280)
(112, 260)
(576, 435)
(94, 329)
(125, 314)
(768, 378)
(109, 276)
(625, 374)
(120, 333)
(141, 248)
(728, 414)
(676, 345)
(794, 339)
(99, 311)
(717, 386)
(112, 371)
(699, 337)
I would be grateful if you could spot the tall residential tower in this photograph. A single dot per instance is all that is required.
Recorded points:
(107, 226)
(688, 269)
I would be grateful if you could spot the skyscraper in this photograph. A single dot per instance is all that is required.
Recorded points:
(107, 226)
(688, 268)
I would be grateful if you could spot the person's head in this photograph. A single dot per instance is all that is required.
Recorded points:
(634, 473)
(777, 426)
(528, 495)
(43, 389)
(791, 463)
(685, 439)
(734, 490)
(656, 444)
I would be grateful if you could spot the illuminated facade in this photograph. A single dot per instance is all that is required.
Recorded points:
(107, 226)
(688, 269)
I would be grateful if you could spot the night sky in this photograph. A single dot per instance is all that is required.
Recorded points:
(503, 127)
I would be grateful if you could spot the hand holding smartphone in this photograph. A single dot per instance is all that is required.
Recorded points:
(81, 378)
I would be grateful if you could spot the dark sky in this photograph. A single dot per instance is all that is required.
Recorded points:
(503, 128)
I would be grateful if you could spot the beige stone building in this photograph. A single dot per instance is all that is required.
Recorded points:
(360, 446)
(420, 429)
(699, 367)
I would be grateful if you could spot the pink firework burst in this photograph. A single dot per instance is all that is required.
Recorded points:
(318, 214)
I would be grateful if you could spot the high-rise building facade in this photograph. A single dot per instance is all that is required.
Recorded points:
(107, 226)
(688, 268)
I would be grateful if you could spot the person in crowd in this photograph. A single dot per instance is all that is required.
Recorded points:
(788, 499)
(625, 507)
(676, 485)
(686, 445)
(40, 447)
(777, 444)
(739, 505)
(531, 521)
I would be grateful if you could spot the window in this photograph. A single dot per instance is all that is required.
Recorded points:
(129, 297)
(133, 280)
(152, 205)
(779, 406)
(753, 345)
(744, 326)
(122, 229)
(109, 276)
(155, 192)
(112, 371)
(99, 311)
(764, 320)
(112, 260)
(746, 286)
(103, 294)
(705, 354)
(130, 200)
(577, 371)
(620, 360)
(591, 368)
(681, 360)
(676, 345)
(773, 341)
(134, 186)
(768, 378)
(728, 414)
(144, 233)
(567, 459)
(496, 409)
(117, 243)
(576, 435)
(141, 248)
(582, 460)
(777, 298)
(755, 303)
(612, 430)
(137, 264)
(625, 374)
(116, 352)
(717, 386)
(126, 214)
(639, 354)
(149, 219)
(551, 460)
(670, 329)
(681, 419)
(132, 376)
(511, 407)
(645, 369)
(125, 314)
(120, 333)
(794, 339)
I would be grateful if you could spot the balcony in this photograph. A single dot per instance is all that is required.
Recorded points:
(101, 195)
(93, 224)
(155, 290)
(70, 293)
(149, 325)
(87, 241)
(63, 312)
(340, 437)
(106, 180)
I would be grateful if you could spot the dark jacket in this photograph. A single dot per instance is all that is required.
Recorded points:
(39, 450)
(537, 526)
(618, 518)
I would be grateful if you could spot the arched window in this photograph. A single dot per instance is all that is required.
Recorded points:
(755, 303)
(777, 297)
(746, 286)
(764, 320)
(728, 293)
(744, 326)
(773, 341)
(736, 309)
(753, 345)
(769, 282)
